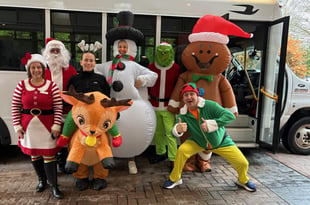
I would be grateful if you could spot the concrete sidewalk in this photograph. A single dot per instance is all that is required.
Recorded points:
(277, 183)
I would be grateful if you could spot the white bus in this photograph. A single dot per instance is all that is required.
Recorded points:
(272, 101)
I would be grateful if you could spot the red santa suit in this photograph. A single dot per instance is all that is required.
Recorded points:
(37, 139)
(55, 61)
(61, 79)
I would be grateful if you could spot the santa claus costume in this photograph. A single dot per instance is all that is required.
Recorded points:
(59, 70)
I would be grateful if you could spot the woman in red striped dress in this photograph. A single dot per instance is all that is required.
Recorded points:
(36, 112)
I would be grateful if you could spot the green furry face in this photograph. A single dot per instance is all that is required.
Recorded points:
(164, 55)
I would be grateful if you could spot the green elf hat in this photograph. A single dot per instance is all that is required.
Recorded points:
(192, 87)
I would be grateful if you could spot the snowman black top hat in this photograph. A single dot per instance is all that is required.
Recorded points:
(124, 30)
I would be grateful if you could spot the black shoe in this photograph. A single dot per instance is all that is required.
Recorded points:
(99, 184)
(157, 158)
(41, 186)
(56, 193)
(82, 184)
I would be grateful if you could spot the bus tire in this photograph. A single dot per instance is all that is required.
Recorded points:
(298, 138)
(5, 137)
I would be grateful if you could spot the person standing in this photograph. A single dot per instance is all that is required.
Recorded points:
(36, 113)
(128, 79)
(205, 121)
(84, 82)
(168, 72)
(59, 70)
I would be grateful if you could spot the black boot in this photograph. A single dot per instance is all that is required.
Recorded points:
(51, 173)
(61, 159)
(39, 168)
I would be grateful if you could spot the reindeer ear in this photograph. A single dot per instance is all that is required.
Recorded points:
(123, 107)
(68, 98)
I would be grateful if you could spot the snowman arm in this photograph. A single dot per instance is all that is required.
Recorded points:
(147, 77)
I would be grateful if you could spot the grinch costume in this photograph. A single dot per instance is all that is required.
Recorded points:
(168, 72)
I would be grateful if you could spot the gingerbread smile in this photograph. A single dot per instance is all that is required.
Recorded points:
(204, 65)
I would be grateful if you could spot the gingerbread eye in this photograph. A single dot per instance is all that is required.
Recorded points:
(208, 52)
(201, 51)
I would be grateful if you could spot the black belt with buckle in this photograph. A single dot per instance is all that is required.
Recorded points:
(159, 99)
(37, 112)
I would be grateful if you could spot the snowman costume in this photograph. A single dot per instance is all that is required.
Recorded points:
(136, 124)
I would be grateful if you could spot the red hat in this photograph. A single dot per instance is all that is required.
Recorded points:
(215, 29)
(52, 43)
(189, 87)
(31, 58)
(48, 40)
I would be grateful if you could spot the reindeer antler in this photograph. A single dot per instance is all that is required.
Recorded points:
(80, 96)
(113, 102)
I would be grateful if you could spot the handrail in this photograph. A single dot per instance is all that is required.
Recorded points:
(274, 97)
(248, 78)
(250, 85)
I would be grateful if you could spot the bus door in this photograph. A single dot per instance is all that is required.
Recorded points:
(271, 89)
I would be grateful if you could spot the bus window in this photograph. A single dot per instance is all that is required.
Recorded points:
(21, 31)
(71, 27)
(175, 30)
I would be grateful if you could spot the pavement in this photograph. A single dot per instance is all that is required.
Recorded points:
(281, 178)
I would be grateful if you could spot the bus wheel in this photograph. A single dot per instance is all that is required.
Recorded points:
(298, 137)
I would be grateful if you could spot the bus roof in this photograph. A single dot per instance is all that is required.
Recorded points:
(258, 10)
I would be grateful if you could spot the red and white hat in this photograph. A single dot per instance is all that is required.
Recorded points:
(164, 43)
(215, 29)
(31, 58)
(52, 43)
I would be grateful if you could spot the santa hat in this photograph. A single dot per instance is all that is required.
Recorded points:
(31, 58)
(215, 29)
(52, 43)
(165, 44)
(124, 30)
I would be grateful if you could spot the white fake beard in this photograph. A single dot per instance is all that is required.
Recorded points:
(56, 62)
